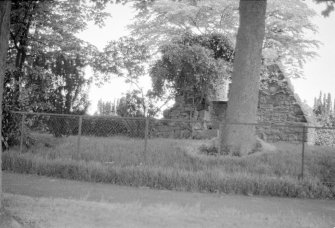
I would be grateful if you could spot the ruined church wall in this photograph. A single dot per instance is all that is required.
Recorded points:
(281, 109)
(278, 104)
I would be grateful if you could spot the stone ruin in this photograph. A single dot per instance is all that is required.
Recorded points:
(278, 104)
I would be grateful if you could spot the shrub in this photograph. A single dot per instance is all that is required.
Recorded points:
(103, 127)
(62, 125)
(209, 150)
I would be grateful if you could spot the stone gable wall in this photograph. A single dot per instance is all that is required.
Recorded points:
(278, 104)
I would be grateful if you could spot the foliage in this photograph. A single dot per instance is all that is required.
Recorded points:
(105, 108)
(164, 20)
(131, 105)
(61, 126)
(209, 150)
(107, 127)
(104, 127)
(65, 92)
(192, 63)
(324, 112)
(124, 58)
(129, 59)
(45, 53)
(45, 57)
(329, 6)
(67, 95)
(286, 24)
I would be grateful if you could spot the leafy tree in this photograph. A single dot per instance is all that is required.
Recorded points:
(136, 104)
(40, 31)
(325, 117)
(124, 58)
(46, 58)
(68, 89)
(128, 59)
(324, 110)
(286, 24)
(39, 27)
(131, 105)
(105, 108)
(192, 63)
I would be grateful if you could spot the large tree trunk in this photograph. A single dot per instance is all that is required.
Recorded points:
(4, 32)
(240, 139)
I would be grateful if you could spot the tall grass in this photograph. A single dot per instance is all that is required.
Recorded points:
(175, 164)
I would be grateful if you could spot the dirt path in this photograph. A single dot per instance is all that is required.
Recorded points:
(141, 207)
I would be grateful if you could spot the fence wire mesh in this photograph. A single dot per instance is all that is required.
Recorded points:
(307, 142)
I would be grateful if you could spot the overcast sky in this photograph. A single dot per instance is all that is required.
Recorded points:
(319, 73)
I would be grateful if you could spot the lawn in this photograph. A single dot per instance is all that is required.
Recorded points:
(178, 164)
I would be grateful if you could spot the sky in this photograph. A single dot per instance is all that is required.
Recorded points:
(319, 73)
(115, 27)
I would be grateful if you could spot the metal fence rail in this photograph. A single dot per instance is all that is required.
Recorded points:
(145, 128)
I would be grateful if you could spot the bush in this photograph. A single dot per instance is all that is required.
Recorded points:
(103, 127)
(107, 126)
(62, 125)
(99, 126)
(209, 150)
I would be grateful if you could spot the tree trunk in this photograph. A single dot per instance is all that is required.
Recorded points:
(237, 139)
(4, 32)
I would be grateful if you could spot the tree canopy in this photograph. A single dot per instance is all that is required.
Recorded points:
(329, 6)
(124, 58)
(286, 24)
(192, 63)
(45, 56)
(46, 60)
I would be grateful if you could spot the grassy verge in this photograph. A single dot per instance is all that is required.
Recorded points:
(170, 166)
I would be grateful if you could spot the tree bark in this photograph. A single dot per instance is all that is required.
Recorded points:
(239, 139)
(4, 33)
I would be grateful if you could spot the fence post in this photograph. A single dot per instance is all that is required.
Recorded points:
(79, 135)
(22, 132)
(219, 136)
(146, 132)
(303, 152)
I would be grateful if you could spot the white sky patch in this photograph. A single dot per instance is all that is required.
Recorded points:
(115, 27)
(319, 73)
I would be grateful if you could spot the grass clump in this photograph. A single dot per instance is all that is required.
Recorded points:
(176, 164)
(209, 150)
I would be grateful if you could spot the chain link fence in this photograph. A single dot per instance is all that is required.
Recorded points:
(301, 138)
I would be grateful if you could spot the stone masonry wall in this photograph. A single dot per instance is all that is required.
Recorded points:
(278, 104)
